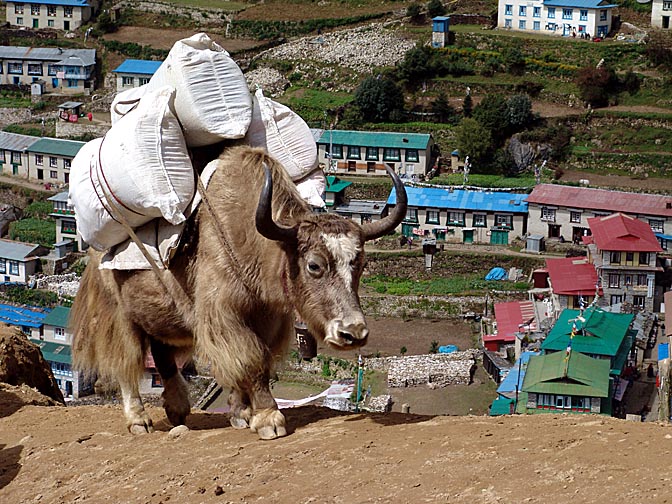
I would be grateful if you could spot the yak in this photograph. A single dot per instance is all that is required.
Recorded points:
(255, 256)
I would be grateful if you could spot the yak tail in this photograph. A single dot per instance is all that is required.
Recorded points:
(105, 343)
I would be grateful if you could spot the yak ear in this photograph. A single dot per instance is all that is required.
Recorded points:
(384, 226)
(266, 226)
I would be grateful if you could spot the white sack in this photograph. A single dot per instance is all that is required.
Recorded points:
(140, 170)
(131, 97)
(212, 100)
(284, 134)
(312, 187)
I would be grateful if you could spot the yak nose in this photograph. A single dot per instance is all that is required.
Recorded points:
(354, 333)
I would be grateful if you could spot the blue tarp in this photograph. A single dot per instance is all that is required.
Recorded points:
(663, 351)
(496, 274)
(447, 349)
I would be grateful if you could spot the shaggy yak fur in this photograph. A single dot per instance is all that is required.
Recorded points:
(249, 264)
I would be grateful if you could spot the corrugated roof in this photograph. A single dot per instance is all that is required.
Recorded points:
(580, 4)
(15, 141)
(361, 207)
(572, 276)
(55, 55)
(576, 375)
(516, 375)
(334, 184)
(22, 317)
(510, 317)
(604, 332)
(460, 199)
(376, 139)
(142, 67)
(601, 199)
(57, 147)
(72, 3)
(620, 232)
(54, 352)
(501, 406)
(58, 317)
(17, 251)
(60, 197)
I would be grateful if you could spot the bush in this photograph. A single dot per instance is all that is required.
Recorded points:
(435, 8)
(597, 85)
(377, 97)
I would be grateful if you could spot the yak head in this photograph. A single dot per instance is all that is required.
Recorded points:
(325, 259)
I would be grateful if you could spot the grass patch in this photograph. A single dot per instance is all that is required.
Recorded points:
(458, 284)
(494, 181)
(208, 4)
(311, 104)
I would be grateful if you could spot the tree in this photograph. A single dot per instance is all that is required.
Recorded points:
(413, 11)
(377, 97)
(467, 106)
(519, 112)
(514, 60)
(491, 113)
(435, 8)
(659, 48)
(473, 140)
(596, 85)
(417, 63)
(442, 108)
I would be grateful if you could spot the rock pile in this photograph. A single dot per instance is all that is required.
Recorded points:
(63, 285)
(269, 79)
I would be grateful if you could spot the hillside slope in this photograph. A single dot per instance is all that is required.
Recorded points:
(84, 454)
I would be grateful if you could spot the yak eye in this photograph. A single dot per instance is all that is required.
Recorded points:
(314, 267)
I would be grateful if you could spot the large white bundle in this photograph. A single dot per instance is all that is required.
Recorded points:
(312, 187)
(212, 100)
(139, 171)
(284, 134)
(126, 101)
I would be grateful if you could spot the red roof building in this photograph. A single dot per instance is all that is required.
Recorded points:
(622, 232)
(512, 317)
(571, 278)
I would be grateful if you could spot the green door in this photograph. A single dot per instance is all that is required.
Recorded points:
(407, 229)
(498, 237)
(467, 236)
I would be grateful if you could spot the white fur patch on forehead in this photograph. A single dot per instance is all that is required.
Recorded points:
(344, 248)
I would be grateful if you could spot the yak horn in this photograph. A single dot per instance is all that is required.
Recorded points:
(384, 226)
(266, 226)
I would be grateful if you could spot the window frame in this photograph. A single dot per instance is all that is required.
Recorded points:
(411, 215)
(432, 216)
(551, 13)
(354, 152)
(370, 153)
(455, 218)
(391, 154)
(412, 156)
(336, 151)
(575, 216)
(39, 160)
(13, 267)
(504, 221)
(474, 223)
(614, 280)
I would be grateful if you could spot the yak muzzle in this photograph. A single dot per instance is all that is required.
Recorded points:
(345, 336)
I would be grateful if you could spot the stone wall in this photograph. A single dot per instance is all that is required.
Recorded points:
(66, 129)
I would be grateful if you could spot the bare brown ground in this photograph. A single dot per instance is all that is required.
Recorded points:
(280, 10)
(651, 184)
(84, 455)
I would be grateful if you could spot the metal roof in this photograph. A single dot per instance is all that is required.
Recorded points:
(55, 55)
(334, 184)
(618, 232)
(376, 139)
(54, 352)
(572, 276)
(604, 332)
(72, 3)
(57, 146)
(23, 317)
(580, 4)
(461, 199)
(61, 197)
(574, 374)
(516, 374)
(366, 207)
(601, 200)
(58, 317)
(17, 251)
(15, 141)
(134, 66)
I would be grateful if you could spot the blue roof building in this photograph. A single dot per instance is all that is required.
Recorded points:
(134, 73)
(466, 216)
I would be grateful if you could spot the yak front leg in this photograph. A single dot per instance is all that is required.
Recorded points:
(137, 419)
(267, 421)
(240, 411)
(175, 393)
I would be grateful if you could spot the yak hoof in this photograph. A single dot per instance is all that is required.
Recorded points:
(238, 423)
(138, 429)
(268, 424)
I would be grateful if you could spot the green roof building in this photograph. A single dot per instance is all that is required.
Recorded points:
(50, 160)
(567, 382)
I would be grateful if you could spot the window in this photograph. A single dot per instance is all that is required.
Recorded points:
(127, 81)
(536, 25)
(35, 9)
(615, 299)
(480, 220)
(67, 163)
(507, 23)
(3, 266)
(2, 155)
(143, 80)
(53, 162)
(52, 70)
(644, 258)
(412, 156)
(432, 217)
(354, 152)
(68, 226)
(563, 402)
(59, 333)
(522, 11)
(51, 10)
(551, 13)
(337, 151)
(34, 69)
(536, 11)
(639, 302)
(667, 5)
(15, 68)
(391, 154)
(456, 218)
(50, 23)
(505, 221)
(521, 24)
(583, 15)
(18, 8)
(574, 216)
(372, 153)
(628, 280)
(548, 214)
(614, 280)
(508, 10)
(53, 174)
(19, 20)
(567, 13)
(67, 11)
(603, 15)
(39, 159)
(411, 215)
(13, 267)
(16, 158)
(657, 225)
(641, 280)
(614, 257)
